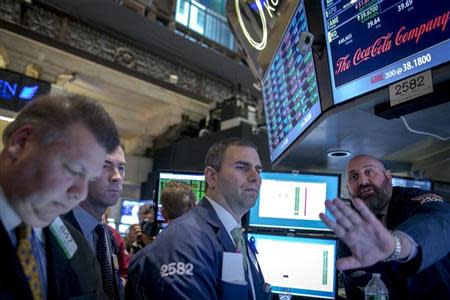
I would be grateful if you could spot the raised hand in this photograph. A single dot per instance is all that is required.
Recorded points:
(366, 237)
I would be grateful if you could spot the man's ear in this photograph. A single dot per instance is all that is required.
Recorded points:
(210, 176)
(18, 140)
(163, 213)
(388, 174)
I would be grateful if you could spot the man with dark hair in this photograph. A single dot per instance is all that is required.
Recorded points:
(401, 233)
(51, 151)
(87, 218)
(203, 254)
(177, 198)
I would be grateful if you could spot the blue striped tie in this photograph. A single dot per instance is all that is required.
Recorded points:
(105, 264)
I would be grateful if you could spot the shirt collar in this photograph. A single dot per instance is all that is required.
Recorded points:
(86, 221)
(8, 215)
(227, 219)
(11, 219)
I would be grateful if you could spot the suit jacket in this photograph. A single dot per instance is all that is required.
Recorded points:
(119, 291)
(185, 262)
(75, 278)
(428, 275)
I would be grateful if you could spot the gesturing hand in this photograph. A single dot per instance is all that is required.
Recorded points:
(367, 238)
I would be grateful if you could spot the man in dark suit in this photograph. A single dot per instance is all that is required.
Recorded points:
(203, 254)
(87, 218)
(51, 151)
(401, 233)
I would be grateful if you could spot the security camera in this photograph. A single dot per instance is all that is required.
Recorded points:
(305, 42)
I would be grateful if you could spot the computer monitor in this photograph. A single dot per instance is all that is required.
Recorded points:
(195, 180)
(129, 210)
(422, 184)
(293, 200)
(372, 44)
(303, 266)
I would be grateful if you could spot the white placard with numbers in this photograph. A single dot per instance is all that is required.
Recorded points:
(410, 88)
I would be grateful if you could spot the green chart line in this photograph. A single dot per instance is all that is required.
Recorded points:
(325, 268)
(297, 201)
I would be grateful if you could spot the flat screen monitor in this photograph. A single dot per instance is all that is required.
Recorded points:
(374, 43)
(195, 180)
(129, 210)
(422, 184)
(290, 90)
(293, 201)
(302, 266)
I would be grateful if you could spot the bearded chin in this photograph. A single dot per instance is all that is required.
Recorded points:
(378, 201)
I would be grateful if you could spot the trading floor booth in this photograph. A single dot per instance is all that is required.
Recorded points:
(340, 78)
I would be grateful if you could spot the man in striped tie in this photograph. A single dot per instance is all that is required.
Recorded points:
(51, 151)
(87, 218)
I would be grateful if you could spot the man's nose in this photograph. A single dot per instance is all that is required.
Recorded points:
(116, 175)
(78, 190)
(254, 175)
(363, 180)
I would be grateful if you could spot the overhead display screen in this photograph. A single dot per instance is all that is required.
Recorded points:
(372, 43)
(291, 95)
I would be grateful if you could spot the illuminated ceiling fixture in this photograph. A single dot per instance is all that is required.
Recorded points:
(173, 78)
(338, 153)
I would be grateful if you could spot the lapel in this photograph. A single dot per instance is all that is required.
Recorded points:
(207, 212)
(57, 263)
(70, 217)
(12, 274)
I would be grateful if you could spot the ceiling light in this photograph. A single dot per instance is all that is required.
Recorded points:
(338, 153)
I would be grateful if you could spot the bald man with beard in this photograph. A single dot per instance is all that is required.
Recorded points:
(401, 233)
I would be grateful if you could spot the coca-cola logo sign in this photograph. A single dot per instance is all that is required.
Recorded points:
(385, 43)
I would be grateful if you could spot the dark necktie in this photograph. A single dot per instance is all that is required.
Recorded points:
(28, 260)
(105, 263)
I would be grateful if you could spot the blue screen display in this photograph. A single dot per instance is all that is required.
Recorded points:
(293, 201)
(302, 266)
(412, 183)
(373, 43)
(291, 95)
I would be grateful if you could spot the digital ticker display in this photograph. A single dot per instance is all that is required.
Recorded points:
(372, 43)
(291, 96)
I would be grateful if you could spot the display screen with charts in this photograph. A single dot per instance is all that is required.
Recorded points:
(195, 180)
(303, 266)
(293, 200)
(291, 94)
